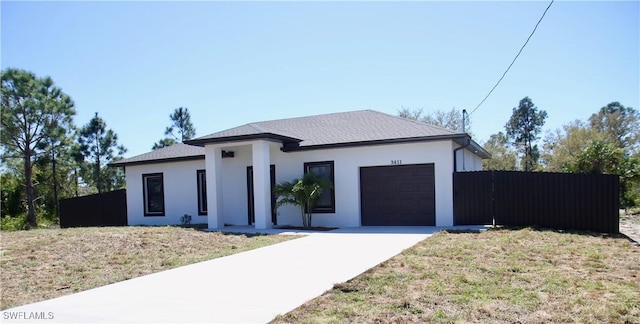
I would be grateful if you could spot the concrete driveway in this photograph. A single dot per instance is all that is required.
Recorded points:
(249, 287)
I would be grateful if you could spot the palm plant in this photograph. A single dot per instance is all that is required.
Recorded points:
(303, 192)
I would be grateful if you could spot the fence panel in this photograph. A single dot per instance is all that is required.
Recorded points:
(587, 202)
(472, 198)
(106, 209)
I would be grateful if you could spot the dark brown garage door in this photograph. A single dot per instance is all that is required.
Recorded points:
(398, 195)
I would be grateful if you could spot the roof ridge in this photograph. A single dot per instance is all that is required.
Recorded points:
(309, 116)
(419, 122)
(257, 127)
(336, 129)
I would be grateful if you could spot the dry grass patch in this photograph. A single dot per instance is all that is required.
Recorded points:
(46, 263)
(496, 276)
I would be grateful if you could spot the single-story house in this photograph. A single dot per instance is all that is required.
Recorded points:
(386, 170)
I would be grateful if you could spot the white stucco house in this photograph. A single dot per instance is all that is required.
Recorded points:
(385, 170)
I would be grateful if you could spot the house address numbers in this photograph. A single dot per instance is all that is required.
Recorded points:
(396, 162)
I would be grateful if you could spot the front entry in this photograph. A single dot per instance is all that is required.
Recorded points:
(251, 205)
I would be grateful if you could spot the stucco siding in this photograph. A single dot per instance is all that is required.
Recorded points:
(180, 192)
(347, 163)
(180, 185)
(467, 160)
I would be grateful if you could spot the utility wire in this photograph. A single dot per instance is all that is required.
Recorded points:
(514, 60)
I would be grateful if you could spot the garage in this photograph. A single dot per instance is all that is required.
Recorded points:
(398, 195)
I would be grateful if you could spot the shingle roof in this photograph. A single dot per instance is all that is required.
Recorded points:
(337, 128)
(175, 152)
(362, 127)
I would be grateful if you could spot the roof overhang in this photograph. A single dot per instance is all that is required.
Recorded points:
(461, 139)
(290, 144)
(474, 147)
(239, 138)
(167, 160)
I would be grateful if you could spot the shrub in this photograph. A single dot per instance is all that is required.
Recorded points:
(303, 192)
(185, 219)
(14, 223)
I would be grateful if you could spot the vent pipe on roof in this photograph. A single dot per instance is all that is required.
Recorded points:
(464, 120)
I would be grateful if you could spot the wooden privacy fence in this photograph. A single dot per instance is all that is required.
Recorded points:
(567, 201)
(105, 209)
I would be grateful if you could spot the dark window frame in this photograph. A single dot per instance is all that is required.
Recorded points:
(325, 209)
(145, 197)
(251, 198)
(201, 178)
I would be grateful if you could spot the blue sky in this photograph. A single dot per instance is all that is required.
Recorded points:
(232, 63)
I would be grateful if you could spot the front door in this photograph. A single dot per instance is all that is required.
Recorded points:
(252, 212)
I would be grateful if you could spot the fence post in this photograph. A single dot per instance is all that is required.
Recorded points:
(493, 197)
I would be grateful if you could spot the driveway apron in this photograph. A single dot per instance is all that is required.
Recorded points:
(249, 287)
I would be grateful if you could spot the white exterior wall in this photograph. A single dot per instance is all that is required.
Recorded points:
(347, 163)
(180, 192)
(234, 183)
(180, 185)
(467, 160)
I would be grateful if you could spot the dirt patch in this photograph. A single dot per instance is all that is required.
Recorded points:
(630, 225)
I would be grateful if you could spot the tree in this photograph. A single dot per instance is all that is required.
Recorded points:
(523, 128)
(562, 146)
(181, 128)
(446, 119)
(11, 195)
(56, 163)
(607, 144)
(602, 157)
(303, 192)
(502, 156)
(99, 146)
(619, 124)
(163, 143)
(31, 108)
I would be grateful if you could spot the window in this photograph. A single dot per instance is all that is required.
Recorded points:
(202, 192)
(327, 200)
(153, 187)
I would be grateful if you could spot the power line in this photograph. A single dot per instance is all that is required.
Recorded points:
(514, 60)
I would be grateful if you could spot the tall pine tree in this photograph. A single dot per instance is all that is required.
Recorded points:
(32, 108)
(523, 129)
(99, 146)
(57, 164)
(181, 129)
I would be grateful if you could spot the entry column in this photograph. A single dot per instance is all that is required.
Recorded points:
(262, 184)
(213, 165)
